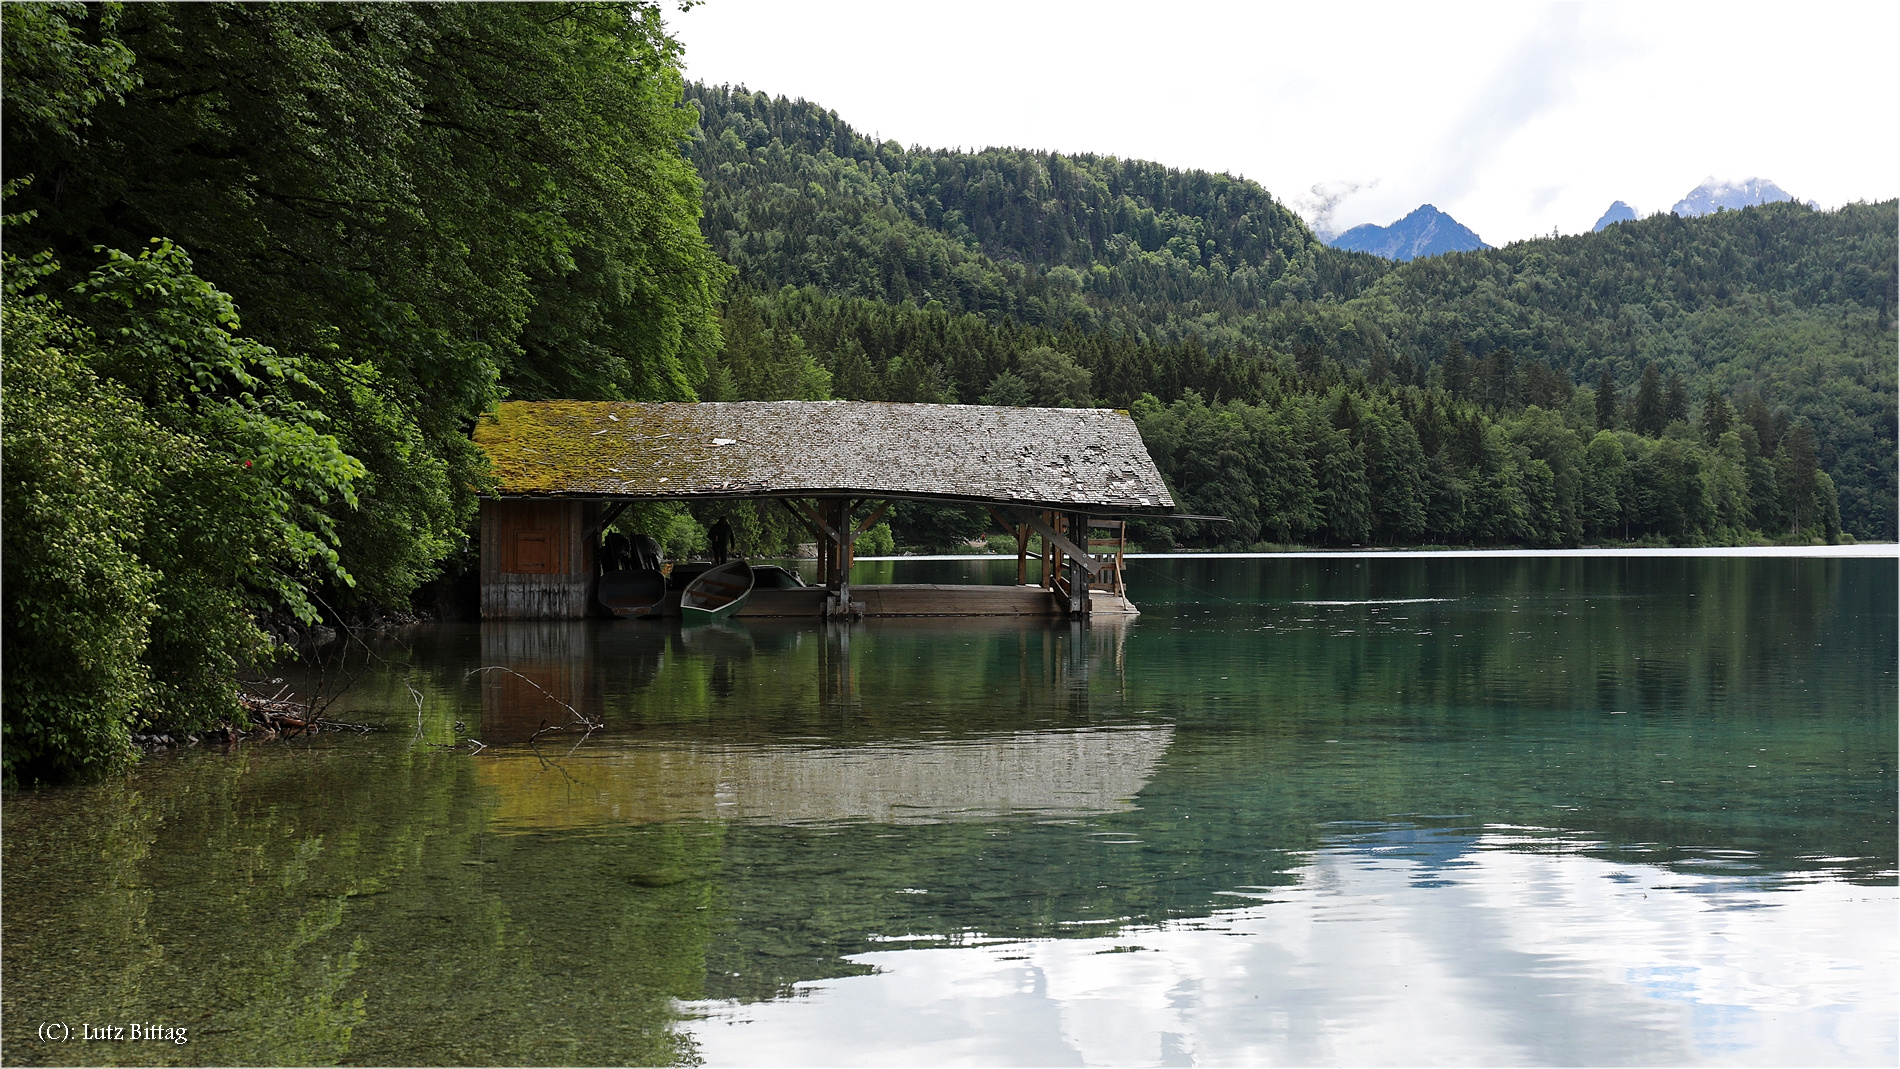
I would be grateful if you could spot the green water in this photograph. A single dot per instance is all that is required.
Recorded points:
(1552, 811)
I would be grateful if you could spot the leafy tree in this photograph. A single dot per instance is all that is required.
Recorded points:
(219, 484)
(1054, 378)
(431, 203)
(1009, 388)
(420, 208)
(80, 459)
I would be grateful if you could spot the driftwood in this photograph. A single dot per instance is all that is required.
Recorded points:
(279, 716)
(273, 717)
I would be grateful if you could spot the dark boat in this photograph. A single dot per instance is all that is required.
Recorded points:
(717, 593)
(632, 593)
(773, 577)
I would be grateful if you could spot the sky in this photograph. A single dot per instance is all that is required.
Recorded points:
(1516, 118)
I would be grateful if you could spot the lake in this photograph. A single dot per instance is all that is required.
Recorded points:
(1357, 810)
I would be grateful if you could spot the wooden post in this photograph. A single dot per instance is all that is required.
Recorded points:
(1079, 578)
(1121, 573)
(847, 550)
(1051, 556)
(1021, 531)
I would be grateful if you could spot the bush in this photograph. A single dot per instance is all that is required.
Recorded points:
(79, 458)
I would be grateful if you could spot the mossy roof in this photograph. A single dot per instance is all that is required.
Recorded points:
(1069, 458)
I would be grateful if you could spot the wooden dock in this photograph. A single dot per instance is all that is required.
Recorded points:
(922, 599)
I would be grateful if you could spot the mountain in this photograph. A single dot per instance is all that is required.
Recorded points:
(1425, 232)
(1618, 213)
(921, 274)
(1715, 193)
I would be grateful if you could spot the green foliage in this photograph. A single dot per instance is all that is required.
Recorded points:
(62, 61)
(1782, 302)
(164, 490)
(1404, 465)
(1054, 379)
(795, 196)
(258, 478)
(876, 542)
(421, 208)
(79, 458)
(433, 204)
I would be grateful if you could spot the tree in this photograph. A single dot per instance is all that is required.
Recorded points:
(1499, 380)
(1716, 418)
(1603, 475)
(1457, 371)
(1675, 400)
(1008, 388)
(431, 204)
(80, 460)
(1606, 402)
(1055, 379)
(1795, 470)
(1647, 414)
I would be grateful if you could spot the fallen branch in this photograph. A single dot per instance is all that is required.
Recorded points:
(592, 725)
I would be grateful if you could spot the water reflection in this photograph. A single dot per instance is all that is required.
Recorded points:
(972, 674)
(1395, 946)
(1043, 775)
(1289, 813)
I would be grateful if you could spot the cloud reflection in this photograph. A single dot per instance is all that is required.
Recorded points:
(1415, 949)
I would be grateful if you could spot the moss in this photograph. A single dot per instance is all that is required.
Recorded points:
(598, 447)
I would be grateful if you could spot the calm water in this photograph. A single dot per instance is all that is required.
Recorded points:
(1575, 811)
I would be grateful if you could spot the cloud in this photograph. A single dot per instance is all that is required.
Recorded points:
(1324, 199)
(1538, 76)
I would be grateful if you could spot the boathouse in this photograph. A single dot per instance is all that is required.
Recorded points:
(564, 470)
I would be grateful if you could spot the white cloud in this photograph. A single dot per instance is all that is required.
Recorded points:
(1513, 117)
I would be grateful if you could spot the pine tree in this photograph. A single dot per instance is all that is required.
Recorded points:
(1647, 412)
(1716, 418)
(1457, 371)
(1795, 468)
(1500, 380)
(1606, 402)
(1675, 400)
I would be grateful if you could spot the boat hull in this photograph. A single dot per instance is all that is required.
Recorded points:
(716, 593)
(633, 593)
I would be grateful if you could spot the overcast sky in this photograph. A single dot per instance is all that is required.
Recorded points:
(1516, 118)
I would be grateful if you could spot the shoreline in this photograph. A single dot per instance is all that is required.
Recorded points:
(1872, 550)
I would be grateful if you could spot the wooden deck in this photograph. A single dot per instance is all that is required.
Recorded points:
(921, 599)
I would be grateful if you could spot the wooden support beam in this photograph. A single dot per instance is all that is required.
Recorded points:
(606, 518)
(801, 518)
(872, 519)
(1061, 541)
(824, 530)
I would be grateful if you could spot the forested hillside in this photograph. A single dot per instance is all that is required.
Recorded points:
(936, 274)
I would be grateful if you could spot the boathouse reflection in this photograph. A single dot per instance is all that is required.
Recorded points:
(885, 676)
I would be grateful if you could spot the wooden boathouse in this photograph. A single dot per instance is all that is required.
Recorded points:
(564, 470)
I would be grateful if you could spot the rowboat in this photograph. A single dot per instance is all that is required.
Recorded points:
(717, 593)
(633, 593)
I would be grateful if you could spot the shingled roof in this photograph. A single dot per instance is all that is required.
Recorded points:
(1068, 458)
